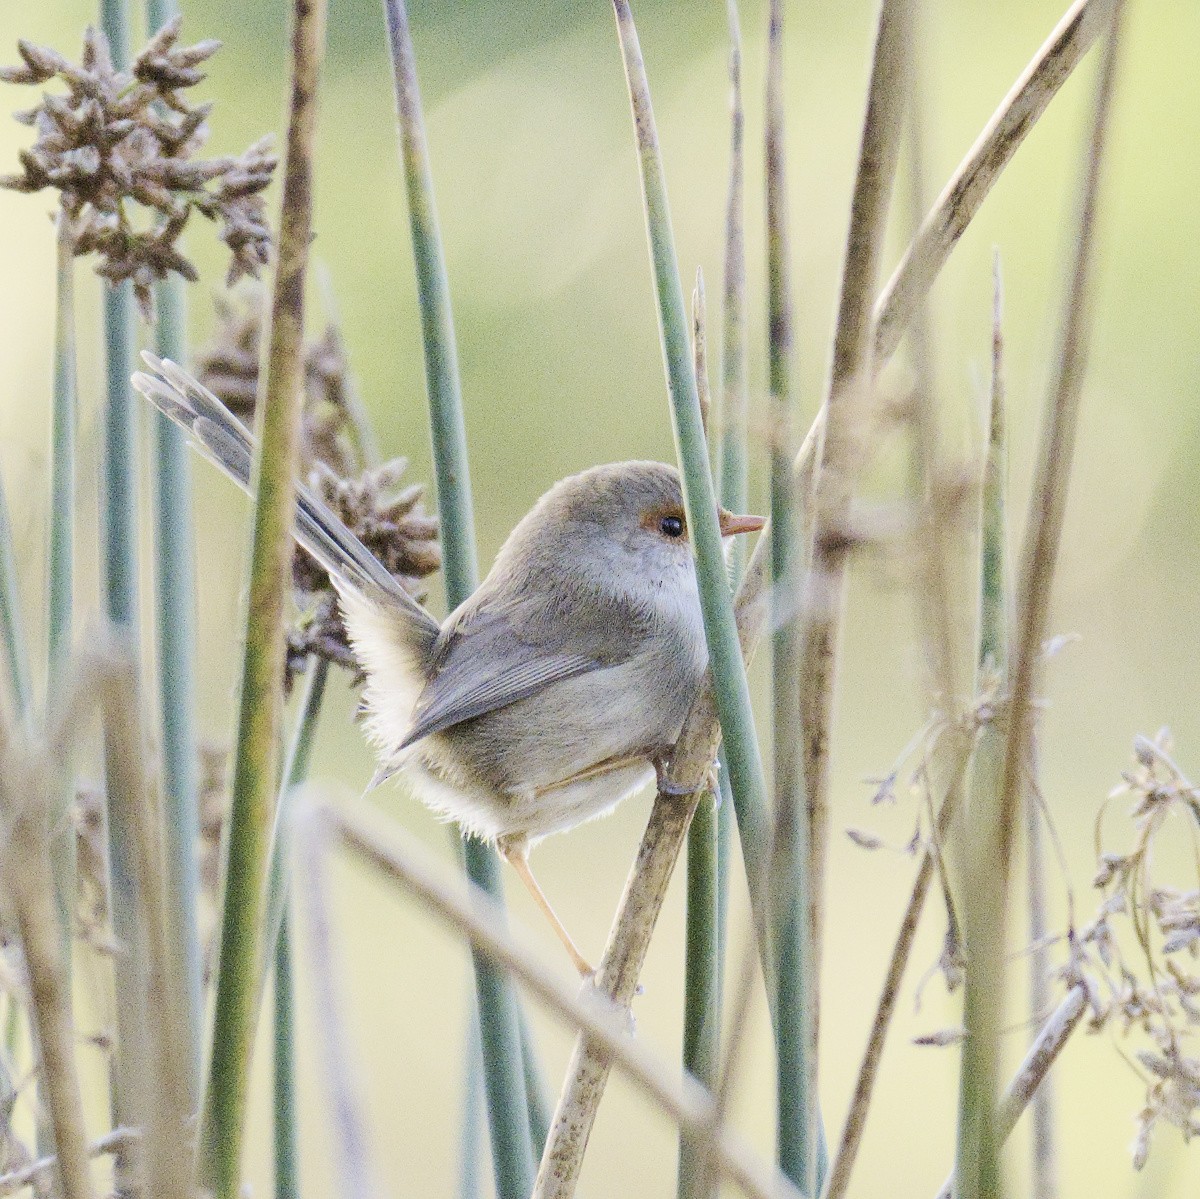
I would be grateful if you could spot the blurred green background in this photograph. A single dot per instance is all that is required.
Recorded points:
(538, 193)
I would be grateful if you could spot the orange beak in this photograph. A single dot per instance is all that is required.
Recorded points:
(731, 524)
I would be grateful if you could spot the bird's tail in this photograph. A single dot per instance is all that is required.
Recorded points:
(225, 441)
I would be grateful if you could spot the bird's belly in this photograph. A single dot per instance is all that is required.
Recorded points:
(509, 772)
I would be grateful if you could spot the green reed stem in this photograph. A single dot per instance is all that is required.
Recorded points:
(709, 838)
(283, 1061)
(795, 1124)
(503, 1056)
(731, 690)
(255, 776)
(277, 941)
(175, 579)
(120, 575)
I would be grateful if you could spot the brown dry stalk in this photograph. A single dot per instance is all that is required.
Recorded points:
(160, 1067)
(969, 185)
(844, 445)
(472, 913)
(26, 799)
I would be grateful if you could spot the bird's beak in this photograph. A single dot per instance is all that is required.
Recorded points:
(731, 524)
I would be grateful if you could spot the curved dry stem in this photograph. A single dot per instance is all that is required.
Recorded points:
(472, 913)
(969, 185)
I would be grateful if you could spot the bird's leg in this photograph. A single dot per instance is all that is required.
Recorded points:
(516, 854)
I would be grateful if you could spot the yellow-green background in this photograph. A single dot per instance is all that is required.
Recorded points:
(539, 203)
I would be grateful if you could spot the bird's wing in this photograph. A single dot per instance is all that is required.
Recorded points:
(494, 655)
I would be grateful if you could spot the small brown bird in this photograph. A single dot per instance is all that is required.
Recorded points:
(558, 688)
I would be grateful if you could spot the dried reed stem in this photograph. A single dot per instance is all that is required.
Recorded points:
(996, 815)
(844, 447)
(26, 798)
(474, 914)
(160, 1065)
(255, 769)
(969, 185)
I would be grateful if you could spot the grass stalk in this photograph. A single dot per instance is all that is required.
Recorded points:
(731, 692)
(996, 804)
(732, 425)
(121, 589)
(968, 187)
(503, 1054)
(475, 915)
(12, 626)
(256, 769)
(702, 972)
(789, 870)
(844, 446)
(286, 1140)
(277, 942)
(175, 575)
(62, 564)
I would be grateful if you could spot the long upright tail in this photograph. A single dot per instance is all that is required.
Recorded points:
(225, 441)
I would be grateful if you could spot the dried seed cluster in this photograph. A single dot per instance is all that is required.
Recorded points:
(391, 521)
(118, 147)
(1152, 990)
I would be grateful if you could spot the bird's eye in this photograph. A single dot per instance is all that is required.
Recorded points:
(671, 526)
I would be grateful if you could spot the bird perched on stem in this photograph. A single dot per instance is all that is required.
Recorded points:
(557, 689)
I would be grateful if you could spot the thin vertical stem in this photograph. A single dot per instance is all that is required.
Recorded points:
(120, 574)
(844, 447)
(62, 566)
(701, 988)
(278, 937)
(503, 1055)
(795, 1124)
(175, 584)
(283, 1059)
(255, 776)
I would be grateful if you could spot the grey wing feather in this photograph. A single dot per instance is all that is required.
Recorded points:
(227, 443)
(455, 695)
(493, 652)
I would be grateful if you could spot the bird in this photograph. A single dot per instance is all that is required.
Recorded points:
(557, 689)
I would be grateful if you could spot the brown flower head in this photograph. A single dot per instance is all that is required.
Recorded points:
(118, 147)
